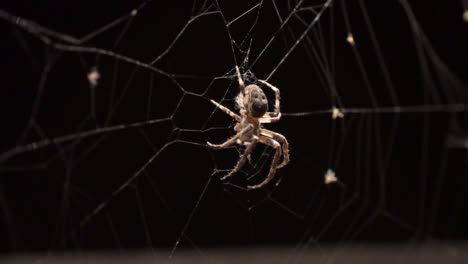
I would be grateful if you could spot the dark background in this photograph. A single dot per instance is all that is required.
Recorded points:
(399, 180)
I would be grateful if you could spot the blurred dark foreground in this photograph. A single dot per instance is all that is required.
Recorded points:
(356, 254)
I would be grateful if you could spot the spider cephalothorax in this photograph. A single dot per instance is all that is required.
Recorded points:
(253, 112)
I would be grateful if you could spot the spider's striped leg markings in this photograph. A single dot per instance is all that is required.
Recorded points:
(274, 116)
(280, 139)
(284, 142)
(241, 82)
(273, 143)
(266, 118)
(227, 110)
(232, 140)
(250, 147)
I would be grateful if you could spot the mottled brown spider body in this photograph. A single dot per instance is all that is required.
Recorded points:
(254, 101)
(253, 106)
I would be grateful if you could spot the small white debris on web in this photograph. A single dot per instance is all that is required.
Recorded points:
(336, 113)
(93, 77)
(350, 39)
(465, 15)
(134, 12)
(330, 177)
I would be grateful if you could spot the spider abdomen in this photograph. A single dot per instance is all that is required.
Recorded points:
(256, 102)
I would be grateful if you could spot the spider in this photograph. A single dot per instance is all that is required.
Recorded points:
(253, 113)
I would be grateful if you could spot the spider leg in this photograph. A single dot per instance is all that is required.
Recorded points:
(285, 145)
(274, 116)
(267, 118)
(282, 140)
(227, 111)
(239, 79)
(226, 144)
(243, 158)
(232, 140)
(273, 143)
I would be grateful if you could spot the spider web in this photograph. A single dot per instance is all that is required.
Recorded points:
(107, 113)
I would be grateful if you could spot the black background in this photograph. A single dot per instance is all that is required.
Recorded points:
(46, 194)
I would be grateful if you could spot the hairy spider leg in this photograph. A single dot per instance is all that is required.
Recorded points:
(274, 116)
(232, 140)
(240, 80)
(265, 119)
(250, 147)
(273, 143)
(227, 111)
(284, 142)
(280, 139)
